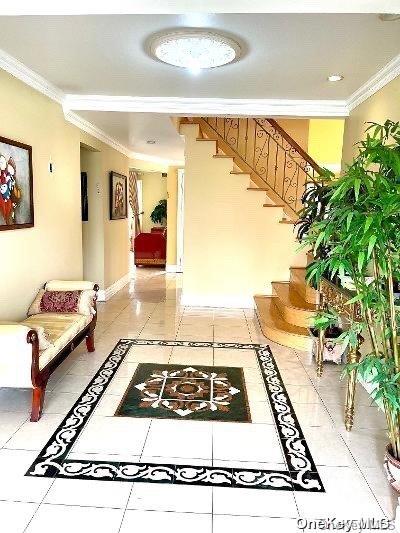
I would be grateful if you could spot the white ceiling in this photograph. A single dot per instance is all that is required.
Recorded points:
(76, 7)
(285, 56)
(134, 129)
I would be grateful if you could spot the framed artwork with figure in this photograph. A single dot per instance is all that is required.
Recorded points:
(118, 196)
(16, 185)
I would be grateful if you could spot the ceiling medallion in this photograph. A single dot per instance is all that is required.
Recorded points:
(195, 49)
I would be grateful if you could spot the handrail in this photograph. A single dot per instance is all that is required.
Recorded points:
(297, 147)
(262, 146)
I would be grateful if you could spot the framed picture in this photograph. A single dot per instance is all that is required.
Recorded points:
(84, 197)
(16, 185)
(118, 196)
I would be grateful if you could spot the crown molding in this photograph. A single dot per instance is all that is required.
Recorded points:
(191, 106)
(99, 134)
(208, 106)
(31, 78)
(96, 132)
(384, 76)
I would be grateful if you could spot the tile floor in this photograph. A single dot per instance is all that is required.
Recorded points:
(349, 464)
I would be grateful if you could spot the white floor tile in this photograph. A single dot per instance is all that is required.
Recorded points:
(113, 435)
(170, 497)
(67, 518)
(15, 516)
(59, 402)
(9, 424)
(246, 442)
(14, 485)
(70, 383)
(166, 522)
(15, 400)
(191, 356)
(179, 438)
(113, 494)
(261, 412)
(312, 414)
(253, 524)
(34, 435)
(230, 357)
(326, 446)
(347, 496)
(250, 502)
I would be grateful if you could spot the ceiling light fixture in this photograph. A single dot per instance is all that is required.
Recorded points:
(195, 49)
(335, 77)
(151, 141)
(389, 17)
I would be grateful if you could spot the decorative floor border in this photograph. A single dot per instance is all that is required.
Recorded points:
(301, 474)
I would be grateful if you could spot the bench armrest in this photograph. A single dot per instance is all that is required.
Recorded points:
(19, 352)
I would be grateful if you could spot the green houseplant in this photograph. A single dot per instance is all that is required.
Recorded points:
(159, 213)
(361, 231)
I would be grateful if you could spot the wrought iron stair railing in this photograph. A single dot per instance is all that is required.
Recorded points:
(271, 153)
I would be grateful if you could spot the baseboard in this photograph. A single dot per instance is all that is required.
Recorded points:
(105, 294)
(171, 268)
(195, 300)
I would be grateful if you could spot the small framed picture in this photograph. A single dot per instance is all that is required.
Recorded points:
(118, 196)
(16, 185)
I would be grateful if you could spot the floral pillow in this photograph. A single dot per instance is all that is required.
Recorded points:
(63, 302)
(60, 302)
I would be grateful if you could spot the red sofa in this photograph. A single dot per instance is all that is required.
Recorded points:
(151, 248)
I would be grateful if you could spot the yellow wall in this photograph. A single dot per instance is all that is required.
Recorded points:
(112, 234)
(385, 104)
(233, 247)
(92, 230)
(154, 190)
(147, 166)
(298, 129)
(53, 247)
(325, 142)
(172, 204)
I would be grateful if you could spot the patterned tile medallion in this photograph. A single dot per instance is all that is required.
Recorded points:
(194, 393)
(300, 474)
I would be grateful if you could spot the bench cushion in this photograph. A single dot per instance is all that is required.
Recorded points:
(61, 328)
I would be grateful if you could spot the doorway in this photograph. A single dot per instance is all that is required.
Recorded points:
(180, 220)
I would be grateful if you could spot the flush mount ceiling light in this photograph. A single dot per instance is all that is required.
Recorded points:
(335, 77)
(195, 49)
(151, 141)
(389, 17)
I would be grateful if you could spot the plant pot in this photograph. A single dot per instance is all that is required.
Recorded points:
(334, 350)
(392, 469)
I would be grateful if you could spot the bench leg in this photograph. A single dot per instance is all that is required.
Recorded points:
(90, 342)
(37, 402)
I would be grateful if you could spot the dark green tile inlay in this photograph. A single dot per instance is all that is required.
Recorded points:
(186, 392)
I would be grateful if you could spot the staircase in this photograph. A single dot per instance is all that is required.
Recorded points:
(285, 316)
(279, 169)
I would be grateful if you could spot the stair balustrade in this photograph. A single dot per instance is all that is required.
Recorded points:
(271, 153)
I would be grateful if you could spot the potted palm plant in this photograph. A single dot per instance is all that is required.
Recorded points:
(159, 213)
(361, 231)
